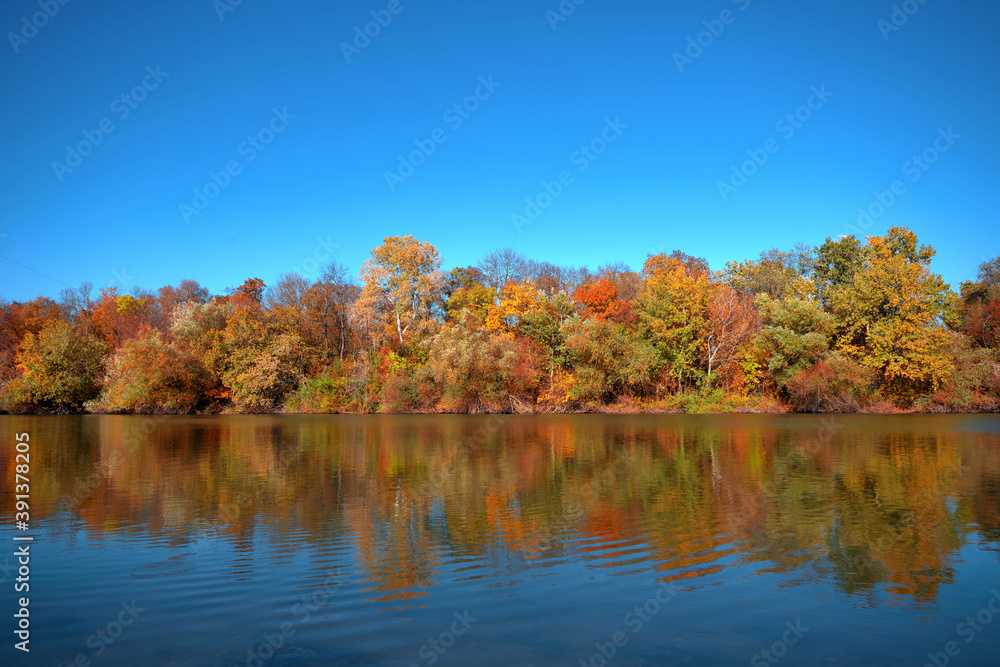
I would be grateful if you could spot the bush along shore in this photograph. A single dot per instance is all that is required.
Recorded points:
(850, 326)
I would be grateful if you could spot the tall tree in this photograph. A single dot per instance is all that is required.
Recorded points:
(500, 267)
(836, 263)
(796, 335)
(776, 273)
(328, 304)
(732, 322)
(890, 316)
(401, 289)
(118, 317)
(979, 308)
(466, 291)
(673, 312)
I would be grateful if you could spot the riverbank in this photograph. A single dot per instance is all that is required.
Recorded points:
(693, 403)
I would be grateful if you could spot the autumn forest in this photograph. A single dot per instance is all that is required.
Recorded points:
(850, 326)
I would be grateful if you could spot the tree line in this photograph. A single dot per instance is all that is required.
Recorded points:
(849, 325)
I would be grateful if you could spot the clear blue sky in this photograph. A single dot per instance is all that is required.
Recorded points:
(655, 188)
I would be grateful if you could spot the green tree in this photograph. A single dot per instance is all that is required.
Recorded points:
(778, 274)
(835, 266)
(616, 361)
(796, 335)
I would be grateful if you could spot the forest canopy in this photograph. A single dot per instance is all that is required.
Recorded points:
(851, 325)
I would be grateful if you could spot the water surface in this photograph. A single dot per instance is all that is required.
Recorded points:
(526, 541)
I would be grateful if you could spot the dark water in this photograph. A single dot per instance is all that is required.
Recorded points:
(527, 541)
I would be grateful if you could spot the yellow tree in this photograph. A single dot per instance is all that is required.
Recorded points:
(517, 299)
(890, 316)
(673, 309)
(402, 285)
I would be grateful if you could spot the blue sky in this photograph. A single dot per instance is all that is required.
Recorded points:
(319, 189)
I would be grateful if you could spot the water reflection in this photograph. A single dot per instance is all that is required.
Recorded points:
(880, 506)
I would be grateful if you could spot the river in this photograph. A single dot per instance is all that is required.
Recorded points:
(507, 540)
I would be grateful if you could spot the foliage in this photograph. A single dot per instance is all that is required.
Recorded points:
(890, 316)
(777, 274)
(118, 317)
(149, 374)
(328, 392)
(974, 385)
(256, 362)
(849, 325)
(543, 326)
(732, 323)
(600, 299)
(836, 264)
(796, 335)
(476, 370)
(673, 313)
(401, 287)
(979, 307)
(60, 369)
(465, 291)
(609, 360)
(834, 384)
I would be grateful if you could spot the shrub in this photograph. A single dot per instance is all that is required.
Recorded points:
(835, 384)
(148, 374)
(60, 370)
(327, 393)
(974, 384)
(478, 371)
(400, 392)
(610, 359)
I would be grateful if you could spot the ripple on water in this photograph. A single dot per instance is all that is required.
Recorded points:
(302, 656)
(164, 569)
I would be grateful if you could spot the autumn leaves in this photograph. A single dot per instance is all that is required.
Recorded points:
(850, 325)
